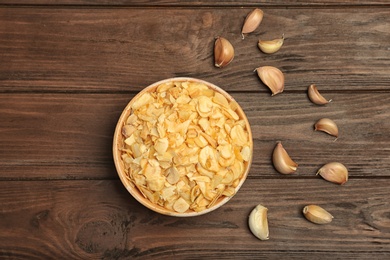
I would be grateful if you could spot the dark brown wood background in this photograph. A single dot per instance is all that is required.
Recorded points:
(69, 67)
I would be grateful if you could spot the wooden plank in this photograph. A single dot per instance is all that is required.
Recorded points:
(114, 50)
(206, 3)
(58, 133)
(67, 136)
(99, 219)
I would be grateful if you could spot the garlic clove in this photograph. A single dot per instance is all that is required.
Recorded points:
(328, 126)
(317, 215)
(223, 52)
(315, 96)
(334, 172)
(272, 46)
(258, 222)
(272, 77)
(282, 161)
(252, 21)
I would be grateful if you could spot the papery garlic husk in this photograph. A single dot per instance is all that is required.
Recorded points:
(317, 215)
(328, 126)
(272, 46)
(315, 96)
(282, 161)
(272, 77)
(223, 52)
(252, 21)
(334, 172)
(258, 222)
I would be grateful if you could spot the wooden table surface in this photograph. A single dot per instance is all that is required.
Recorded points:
(69, 67)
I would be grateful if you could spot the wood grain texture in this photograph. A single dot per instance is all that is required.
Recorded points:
(99, 219)
(69, 67)
(41, 132)
(110, 50)
(202, 3)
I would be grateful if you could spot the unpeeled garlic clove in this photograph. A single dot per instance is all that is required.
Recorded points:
(328, 126)
(272, 77)
(258, 222)
(282, 161)
(334, 172)
(223, 52)
(317, 215)
(272, 46)
(252, 21)
(315, 96)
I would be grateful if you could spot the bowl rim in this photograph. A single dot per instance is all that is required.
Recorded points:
(133, 190)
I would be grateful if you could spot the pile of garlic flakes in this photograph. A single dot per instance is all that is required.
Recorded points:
(185, 146)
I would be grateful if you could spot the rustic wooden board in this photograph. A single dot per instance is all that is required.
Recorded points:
(42, 132)
(116, 50)
(202, 3)
(99, 219)
(69, 67)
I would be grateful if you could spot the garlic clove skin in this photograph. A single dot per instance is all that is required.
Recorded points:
(252, 21)
(282, 161)
(272, 77)
(328, 126)
(334, 172)
(315, 96)
(272, 46)
(317, 215)
(258, 222)
(223, 52)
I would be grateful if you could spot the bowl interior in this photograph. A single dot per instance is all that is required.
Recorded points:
(119, 141)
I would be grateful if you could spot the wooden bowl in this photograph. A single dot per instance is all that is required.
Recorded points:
(118, 144)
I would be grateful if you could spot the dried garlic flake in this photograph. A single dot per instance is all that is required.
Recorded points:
(185, 146)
